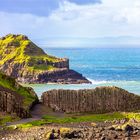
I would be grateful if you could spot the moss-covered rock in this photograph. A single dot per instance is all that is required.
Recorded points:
(15, 98)
(25, 61)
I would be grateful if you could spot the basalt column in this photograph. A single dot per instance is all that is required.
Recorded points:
(98, 100)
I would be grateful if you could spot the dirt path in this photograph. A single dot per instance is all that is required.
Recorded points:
(37, 112)
(40, 110)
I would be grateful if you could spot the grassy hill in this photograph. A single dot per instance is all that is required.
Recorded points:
(27, 63)
(18, 49)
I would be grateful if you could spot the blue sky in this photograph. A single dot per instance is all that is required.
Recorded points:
(37, 7)
(72, 22)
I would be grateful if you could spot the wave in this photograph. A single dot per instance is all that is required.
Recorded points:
(95, 82)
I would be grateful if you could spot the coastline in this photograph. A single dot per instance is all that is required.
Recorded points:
(127, 85)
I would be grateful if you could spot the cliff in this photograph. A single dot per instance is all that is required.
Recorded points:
(98, 100)
(25, 61)
(14, 98)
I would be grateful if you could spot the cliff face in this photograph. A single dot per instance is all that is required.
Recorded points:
(11, 102)
(98, 100)
(25, 61)
(14, 98)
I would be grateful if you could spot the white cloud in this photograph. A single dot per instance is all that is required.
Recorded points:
(112, 17)
(109, 18)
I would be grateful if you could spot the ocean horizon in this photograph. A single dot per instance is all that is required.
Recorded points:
(102, 66)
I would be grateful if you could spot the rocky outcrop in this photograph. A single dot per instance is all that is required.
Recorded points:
(98, 100)
(15, 98)
(62, 76)
(11, 102)
(25, 61)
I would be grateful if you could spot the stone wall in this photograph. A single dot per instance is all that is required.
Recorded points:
(11, 102)
(98, 100)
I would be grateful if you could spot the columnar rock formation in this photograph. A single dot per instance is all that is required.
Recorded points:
(98, 100)
(11, 102)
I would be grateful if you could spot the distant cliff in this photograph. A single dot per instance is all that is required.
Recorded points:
(98, 100)
(25, 61)
(14, 98)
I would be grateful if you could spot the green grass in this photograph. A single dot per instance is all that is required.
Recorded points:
(42, 67)
(78, 119)
(24, 51)
(7, 118)
(31, 124)
(85, 118)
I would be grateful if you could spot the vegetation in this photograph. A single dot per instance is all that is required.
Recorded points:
(41, 67)
(136, 116)
(77, 119)
(7, 118)
(20, 50)
(84, 118)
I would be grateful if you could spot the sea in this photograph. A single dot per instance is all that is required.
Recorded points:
(102, 66)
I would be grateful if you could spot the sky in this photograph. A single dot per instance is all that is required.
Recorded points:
(65, 23)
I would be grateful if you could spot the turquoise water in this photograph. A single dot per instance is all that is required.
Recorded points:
(103, 66)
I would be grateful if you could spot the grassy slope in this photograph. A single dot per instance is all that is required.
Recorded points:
(11, 84)
(17, 53)
(94, 117)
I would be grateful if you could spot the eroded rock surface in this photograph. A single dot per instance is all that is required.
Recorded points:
(15, 98)
(98, 100)
(11, 102)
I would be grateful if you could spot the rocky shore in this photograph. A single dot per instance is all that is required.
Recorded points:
(119, 130)
(59, 76)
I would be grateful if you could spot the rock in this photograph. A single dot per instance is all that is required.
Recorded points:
(103, 138)
(98, 135)
(135, 132)
(115, 137)
(127, 134)
(98, 100)
(110, 128)
(118, 129)
(12, 99)
(128, 138)
(115, 121)
(74, 135)
(93, 124)
(35, 66)
(65, 133)
(133, 120)
(128, 128)
(123, 121)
